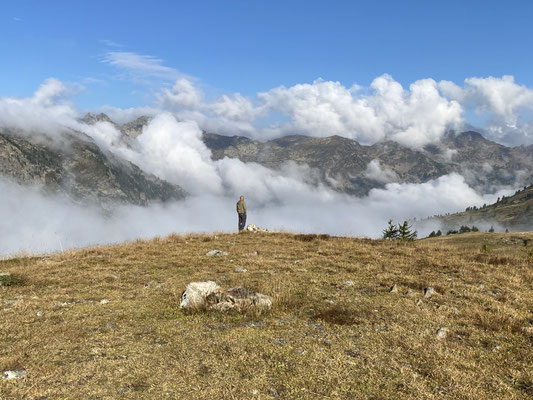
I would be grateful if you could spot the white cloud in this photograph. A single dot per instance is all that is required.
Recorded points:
(413, 117)
(376, 172)
(140, 65)
(507, 104)
(183, 94)
(48, 110)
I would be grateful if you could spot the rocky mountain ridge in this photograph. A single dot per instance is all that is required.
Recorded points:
(73, 164)
(350, 167)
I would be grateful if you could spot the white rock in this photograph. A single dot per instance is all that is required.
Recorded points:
(393, 289)
(104, 301)
(40, 313)
(428, 292)
(196, 292)
(528, 329)
(216, 252)
(14, 374)
(254, 228)
(442, 333)
(240, 270)
(347, 283)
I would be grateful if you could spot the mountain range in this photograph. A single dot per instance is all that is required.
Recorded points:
(72, 163)
(347, 166)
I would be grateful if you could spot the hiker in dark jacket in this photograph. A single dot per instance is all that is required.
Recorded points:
(241, 210)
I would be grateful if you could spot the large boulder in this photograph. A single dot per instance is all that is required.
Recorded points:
(208, 295)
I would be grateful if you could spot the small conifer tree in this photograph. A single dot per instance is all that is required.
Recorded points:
(405, 232)
(391, 232)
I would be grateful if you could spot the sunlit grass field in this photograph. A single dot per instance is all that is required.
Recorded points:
(105, 323)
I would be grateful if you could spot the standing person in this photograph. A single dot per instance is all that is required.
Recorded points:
(241, 210)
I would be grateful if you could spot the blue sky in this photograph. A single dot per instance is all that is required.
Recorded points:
(252, 46)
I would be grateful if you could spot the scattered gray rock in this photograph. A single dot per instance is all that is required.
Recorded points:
(409, 293)
(273, 392)
(442, 333)
(255, 392)
(40, 314)
(154, 284)
(240, 270)
(14, 374)
(496, 348)
(382, 328)
(428, 292)
(419, 303)
(393, 289)
(112, 276)
(348, 283)
(216, 253)
(104, 301)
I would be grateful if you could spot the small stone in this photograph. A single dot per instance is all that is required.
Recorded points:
(154, 284)
(409, 293)
(528, 329)
(496, 348)
(428, 292)
(40, 313)
(104, 301)
(273, 392)
(419, 303)
(240, 270)
(216, 253)
(393, 289)
(255, 392)
(347, 283)
(442, 333)
(112, 276)
(14, 374)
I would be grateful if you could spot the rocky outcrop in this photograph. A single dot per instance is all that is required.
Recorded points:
(209, 296)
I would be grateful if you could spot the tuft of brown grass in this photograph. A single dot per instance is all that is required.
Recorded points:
(341, 314)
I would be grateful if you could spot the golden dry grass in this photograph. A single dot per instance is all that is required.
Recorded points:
(323, 339)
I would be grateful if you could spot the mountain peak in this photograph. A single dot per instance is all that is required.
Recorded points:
(91, 118)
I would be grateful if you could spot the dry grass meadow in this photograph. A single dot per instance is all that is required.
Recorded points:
(104, 323)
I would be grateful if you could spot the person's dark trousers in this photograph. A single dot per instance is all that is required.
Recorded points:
(242, 221)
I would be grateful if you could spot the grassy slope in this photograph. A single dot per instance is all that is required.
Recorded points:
(322, 340)
(514, 212)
